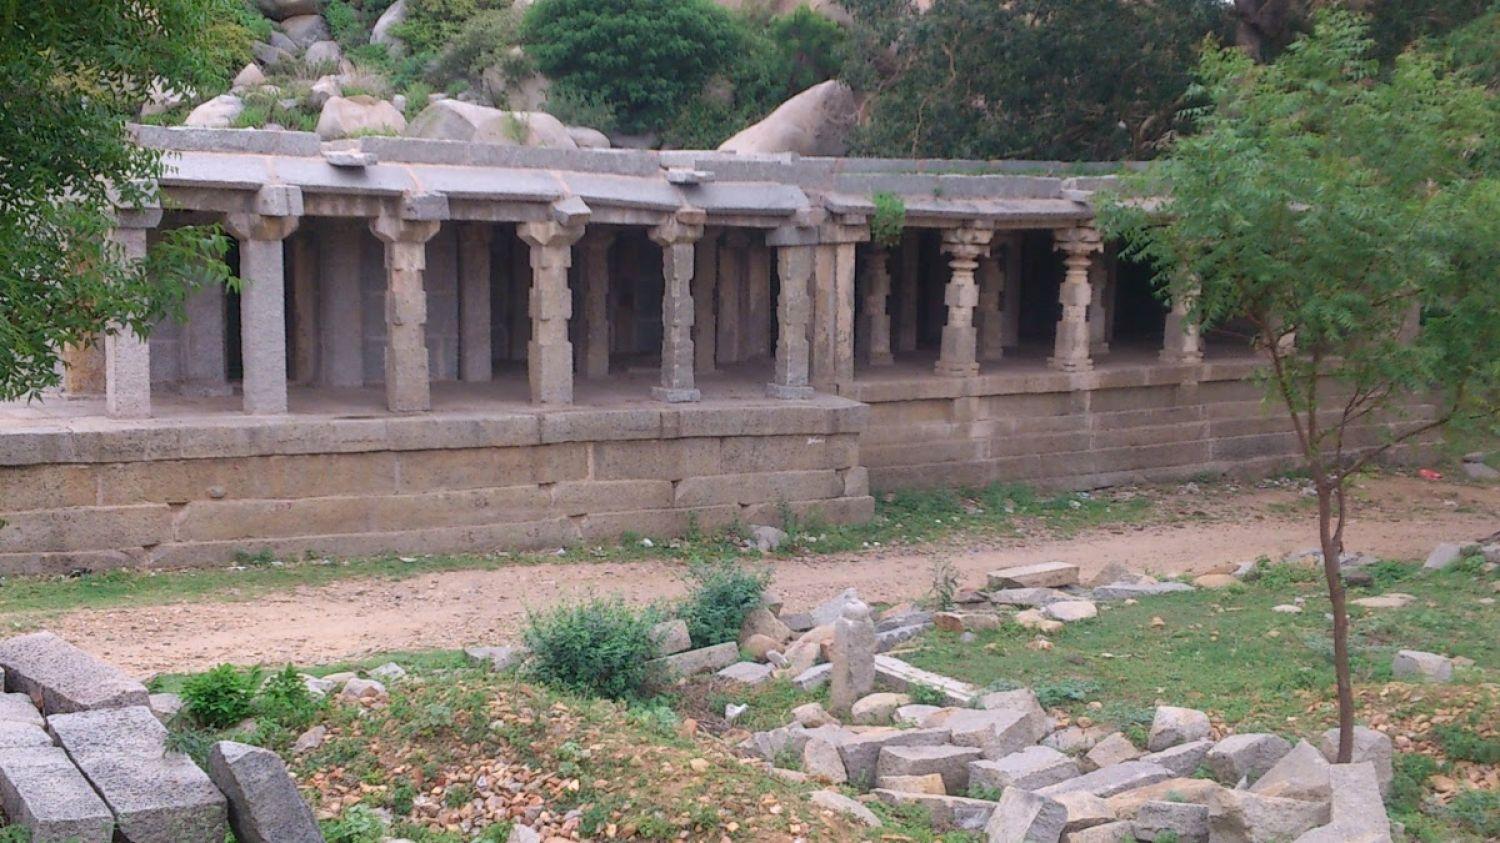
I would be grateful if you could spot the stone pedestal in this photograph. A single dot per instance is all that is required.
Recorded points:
(341, 312)
(549, 355)
(408, 387)
(1071, 350)
(677, 238)
(127, 357)
(475, 362)
(958, 356)
(595, 334)
(794, 263)
(263, 308)
(877, 321)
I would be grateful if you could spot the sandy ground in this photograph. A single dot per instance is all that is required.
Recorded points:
(1194, 531)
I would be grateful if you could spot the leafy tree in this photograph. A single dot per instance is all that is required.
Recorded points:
(72, 74)
(1264, 27)
(1101, 79)
(1327, 209)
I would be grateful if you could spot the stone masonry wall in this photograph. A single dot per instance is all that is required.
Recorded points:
(169, 496)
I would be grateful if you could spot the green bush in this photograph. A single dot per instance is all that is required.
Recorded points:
(358, 824)
(285, 701)
(1478, 810)
(431, 24)
(345, 24)
(222, 696)
(598, 648)
(720, 595)
(483, 42)
(583, 108)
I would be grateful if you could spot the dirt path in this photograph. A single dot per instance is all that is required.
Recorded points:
(1398, 518)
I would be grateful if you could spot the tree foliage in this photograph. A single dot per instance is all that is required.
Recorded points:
(72, 74)
(1327, 208)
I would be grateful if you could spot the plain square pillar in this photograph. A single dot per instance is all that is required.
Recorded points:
(263, 308)
(1099, 299)
(731, 288)
(408, 380)
(958, 356)
(475, 362)
(341, 317)
(705, 282)
(833, 306)
(304, 310)
(1071, 351)
(1010, 310)
(595, 334)
(758, 303)
(907, 277)
(202, 350)
(549, 354)
(677, 238)
(127, 356)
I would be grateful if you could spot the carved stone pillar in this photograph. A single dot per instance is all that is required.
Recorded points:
(731, 286)
(263, 297)
(127, 357)
(408, 379)
(758, 309)
(989, 318)
(705, 282)
(958, 356)
(549, 355)
(1100, 296)
(877, 321)
(1181, 342)
(677, 238)
(834, 305)
(475, 358)
(795, 250)
(594, 355)
(1071, 350)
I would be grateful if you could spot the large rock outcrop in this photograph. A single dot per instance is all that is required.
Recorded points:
(463, 121)
(345, 117)
(814, 122)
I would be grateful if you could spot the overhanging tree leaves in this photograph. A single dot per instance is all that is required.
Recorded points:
(1329, 210)
(71, 75)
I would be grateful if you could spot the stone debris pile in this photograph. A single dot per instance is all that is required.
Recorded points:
(84, 758)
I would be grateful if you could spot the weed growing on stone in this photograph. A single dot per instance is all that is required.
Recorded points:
(222, 696)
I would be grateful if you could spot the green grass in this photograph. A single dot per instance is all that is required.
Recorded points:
(900, 518)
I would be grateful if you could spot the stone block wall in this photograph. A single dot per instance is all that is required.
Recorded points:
(174, 496)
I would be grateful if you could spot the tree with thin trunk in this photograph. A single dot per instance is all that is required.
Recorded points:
(1352, 222)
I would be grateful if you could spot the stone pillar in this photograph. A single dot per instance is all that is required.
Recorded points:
(475, 362)
(705, 282)
(408, 378)
(989, 319)
(758, 310)
(794, 265)
(1071, 350)
(1010, 311)
(202, 346)
(677, 238)
(959, 356)
(83, 369)
(304, 294)
(877, 322)
(1100, 295)
(595, 334)
(908, 289)
(263, 306)
(852, 658)
(833, 306)
(341, 361)
(518, 300)
(549, 355)
(1180, 340)
(127, 357)
(731, 286)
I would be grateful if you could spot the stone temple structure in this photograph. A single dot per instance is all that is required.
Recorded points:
(448, 347)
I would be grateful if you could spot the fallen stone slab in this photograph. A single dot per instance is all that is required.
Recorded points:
(18, 708)
(996, 733)
(671, 637)
(747, 673)
(1425, 667)
(948, 813)
(913, 715)
(841, 804)
(897, 675)
(950, 762)
(822, 760)
(156, 796)
(1135, 591)
(1179, 821)
(165, 706)
(495, 658)
(1041, 575)
(1126, 803)
(1182, 759)
(888, 640)
(60, 678)
(1300, 774)
(1032, 768)
(813, 678)
(931, 783)
(1025, 817)
(1249, 755)
(1071, 611)
(1357, 813)
(1369, 745)
(903, 619)
(1172, 726)
(1085, 810)
(1037, 597)
(15, 735)
(773, 743)
(1116, 832)
(877, 709)
(1244, 816)
(861, 752)
(1389, 600)
(41, 791)
(264, 805)
(1113, 779)
(694, 662)
(828, 612)
(1443, 555)
(1115, 749)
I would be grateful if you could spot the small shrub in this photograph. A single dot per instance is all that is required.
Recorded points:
(581, 108)
(926, 695)
(889, 219)
(1461, 744)
(1478, 810)
(598, 648)
(344, 23)
(719, 597)
(1409, 781)
(484, 42)
(431, 25)
(15, 834)
(944, 585)
(1053, 694)
(358, 824)
(403, 796)
(222, 696)
(285, 701)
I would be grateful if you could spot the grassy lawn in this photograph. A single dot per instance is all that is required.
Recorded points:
(1253, 669)
(902, 518)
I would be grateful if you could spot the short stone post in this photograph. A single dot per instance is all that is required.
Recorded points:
(909, 270)
(549, 355)
(1071, 350)
(877, 327)
(794, 261)
(263, 295)
(475, 360)
(408, 380)
(595, 334)
(989, 318)
(959, 355)
(705, 282)
(1181, 342)
(127, 357)
(677, 238)
(342, 320)
(852, 658)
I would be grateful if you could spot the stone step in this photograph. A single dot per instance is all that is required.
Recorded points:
(61, 678)
(41, 791)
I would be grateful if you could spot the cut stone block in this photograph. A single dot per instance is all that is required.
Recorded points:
(897, 675)
(998, 733)
(821, 760)
(747, 673)
(861, 752)
(1172, 726)
(1300, 774)
(1041, 575)
(495, 658)
(1240, 756)
(1357, 813)
(813, 678)
(15, 735)
(156, 796)
(948, 813)
(264, 805)
(1134, 591)
(931, 783)
(1442, 556)
(1025, 817)
(18, 708)
(841, 804)
(1183, 759)
(61, 678)
(888, 639)
(42, 791)
(694, 662)
(1117, 832)
(1070, 611)
(877, 709)
(1022, 700)
(1180, 821)
(950, 762)
(1085, 810)
(1028, 596)
(1242, 815)
(826, 613)
(913, 715)
(1115, 749)
(165, 706)
(1116, 778)
(1032, 768)
(1195, 791)
(671, 638)
(1425, 667)
(1369, 745)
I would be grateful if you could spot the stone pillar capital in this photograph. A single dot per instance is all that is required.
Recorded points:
(834, 232)
(1077, 241)
(679, 229)
(389, 228)
(968, 242)
(549, 234)
(261, 227)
